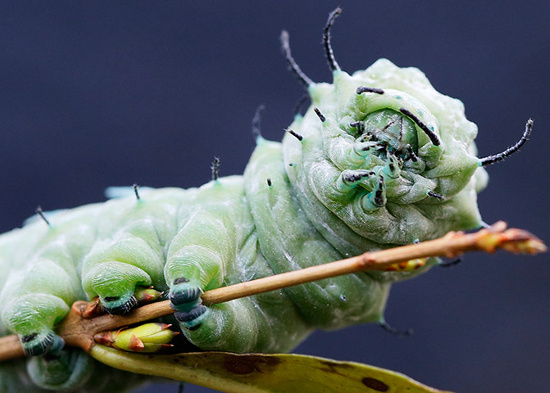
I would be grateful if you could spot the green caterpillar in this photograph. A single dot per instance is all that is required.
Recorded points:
(379, 159)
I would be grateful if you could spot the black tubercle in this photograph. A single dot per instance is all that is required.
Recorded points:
(364, 89)
(215, 168)
(432, 135)
(136, 191)
(333, 64)
(303, 78)
(269, 183)
(40, 212)
(295, 134)
(321, 116)
(485, 161)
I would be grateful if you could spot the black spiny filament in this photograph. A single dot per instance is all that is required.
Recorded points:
(333, 64)
(432, 135)
(512, 149)
(306, 81)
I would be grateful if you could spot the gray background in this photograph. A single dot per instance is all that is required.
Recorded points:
(98, 93)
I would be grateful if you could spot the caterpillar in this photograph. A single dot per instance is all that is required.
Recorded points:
(379, 159)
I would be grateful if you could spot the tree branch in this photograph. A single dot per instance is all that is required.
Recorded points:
(79, 331)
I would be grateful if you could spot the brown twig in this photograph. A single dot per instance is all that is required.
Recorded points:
(78, 331)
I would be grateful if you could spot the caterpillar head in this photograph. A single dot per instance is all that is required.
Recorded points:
(383, 155)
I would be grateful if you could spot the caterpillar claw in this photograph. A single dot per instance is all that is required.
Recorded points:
(192, 320)
(42, 343)
(186, 301)
(119, 305)
(185, 296)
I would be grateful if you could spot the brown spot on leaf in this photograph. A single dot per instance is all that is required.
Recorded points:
(375, 384)
(247, 364)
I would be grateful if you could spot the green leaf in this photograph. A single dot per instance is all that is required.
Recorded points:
(259, 373)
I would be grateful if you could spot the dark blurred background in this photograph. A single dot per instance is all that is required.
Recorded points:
(103, 93)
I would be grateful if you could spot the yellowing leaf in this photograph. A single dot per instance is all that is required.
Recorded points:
(259, 373)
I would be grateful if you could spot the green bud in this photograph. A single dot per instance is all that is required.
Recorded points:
(150, 337)
(146, 295)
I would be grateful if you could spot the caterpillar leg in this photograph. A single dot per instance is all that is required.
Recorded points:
(204, 255)
(264, 323)
(114, 267)
(33, 320)
(67, 369)
(34, 300)
(197, 259)
(234, 326)
(230, 327)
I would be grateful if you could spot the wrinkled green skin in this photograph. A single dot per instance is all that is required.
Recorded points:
(240, 228)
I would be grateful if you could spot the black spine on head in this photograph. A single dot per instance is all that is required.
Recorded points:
(485, 161)
(333, 64)
(432, 135)
(306, 81)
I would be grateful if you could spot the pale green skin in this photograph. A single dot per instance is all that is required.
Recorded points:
(240, 228)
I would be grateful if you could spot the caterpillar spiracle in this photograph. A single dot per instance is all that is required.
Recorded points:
(379, 159)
